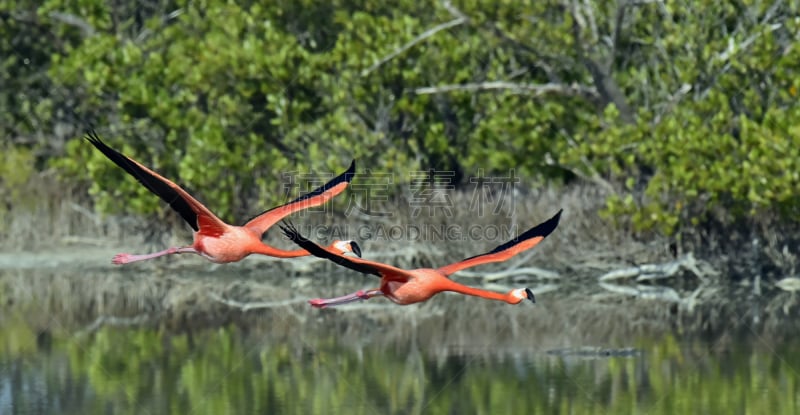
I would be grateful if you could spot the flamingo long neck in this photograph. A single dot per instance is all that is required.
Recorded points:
(449, 285)
(264, 249)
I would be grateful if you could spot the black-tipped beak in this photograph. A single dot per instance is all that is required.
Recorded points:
(356, 249)
(530, 295)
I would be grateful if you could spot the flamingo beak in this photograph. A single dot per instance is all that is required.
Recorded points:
(356, 249)
(530, 295)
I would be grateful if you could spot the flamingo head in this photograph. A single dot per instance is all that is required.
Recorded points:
(343, 247)
(521, 294)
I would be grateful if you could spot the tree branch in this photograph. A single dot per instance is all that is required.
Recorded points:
(647, 292)
(789, 284)
(531, 89)
(674, 99)
(620, 18)
(73, 20)
(649, 272)
(494, 276)
(606, 85)
(425, 35)
(727, 56)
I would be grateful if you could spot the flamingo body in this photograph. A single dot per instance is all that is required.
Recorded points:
(233, 245)
(427, 282)
(413, 286)
(214, 239)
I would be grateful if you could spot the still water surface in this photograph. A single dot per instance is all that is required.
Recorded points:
(230, 371)
(321, 367)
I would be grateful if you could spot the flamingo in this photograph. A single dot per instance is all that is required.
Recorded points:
(413, 286)
(214, 239)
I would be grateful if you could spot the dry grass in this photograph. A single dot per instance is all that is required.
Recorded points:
(74, 301)
(68, 281)
(52, 215)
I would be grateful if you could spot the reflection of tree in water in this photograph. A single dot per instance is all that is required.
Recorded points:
(231, 371)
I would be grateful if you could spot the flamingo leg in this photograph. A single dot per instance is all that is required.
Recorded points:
(120, 259)
(349, 298)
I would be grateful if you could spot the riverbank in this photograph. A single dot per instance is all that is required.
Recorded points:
(592, 278)
(70, 293)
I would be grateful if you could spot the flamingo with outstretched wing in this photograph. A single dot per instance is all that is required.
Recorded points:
(214, 239)
(413, 286)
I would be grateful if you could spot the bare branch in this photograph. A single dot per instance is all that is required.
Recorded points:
(454, 10)
(606, 85)
(620, 19)
(494, 276)
(673, 102)
(789, 284)
(425, 35)
(592, 22)
(648, 272)
(531, 89)
(73, 20)
(655, 292)
(164, 20)
(728, 55)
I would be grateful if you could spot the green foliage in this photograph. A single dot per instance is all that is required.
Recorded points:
(683, 110)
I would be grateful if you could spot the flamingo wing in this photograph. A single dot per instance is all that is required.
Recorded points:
(192, 211)
(527, 240)
(318, 196)
(363, 266)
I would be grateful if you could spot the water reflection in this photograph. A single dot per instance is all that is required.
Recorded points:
(447, 356)
(234, 371)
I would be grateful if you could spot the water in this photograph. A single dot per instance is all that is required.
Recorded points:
(484, 359)
(231, 371)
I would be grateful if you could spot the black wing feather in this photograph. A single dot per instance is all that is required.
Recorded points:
(148, 180)
(543, 229)
(291, 232)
